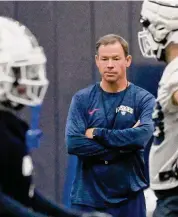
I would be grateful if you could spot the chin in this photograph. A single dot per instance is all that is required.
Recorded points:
(110, 80)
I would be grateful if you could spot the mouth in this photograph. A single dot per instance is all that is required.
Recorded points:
(21, 89)
(110, 73)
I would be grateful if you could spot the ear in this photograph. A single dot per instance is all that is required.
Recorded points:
(128, 61)
(97, 60)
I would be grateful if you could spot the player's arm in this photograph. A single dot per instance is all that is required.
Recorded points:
(168, 93)
(16, 209)
(76, 141)
(131, 138)
(40, 204)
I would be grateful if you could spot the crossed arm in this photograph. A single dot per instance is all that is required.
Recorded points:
(89, 132)
(80, 140)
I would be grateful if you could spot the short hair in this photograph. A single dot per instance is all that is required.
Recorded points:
(112, 39)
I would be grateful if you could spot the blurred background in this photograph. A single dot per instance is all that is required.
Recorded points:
(68, 31)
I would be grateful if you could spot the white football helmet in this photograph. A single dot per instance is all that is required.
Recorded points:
(160, 27)
(22, 65)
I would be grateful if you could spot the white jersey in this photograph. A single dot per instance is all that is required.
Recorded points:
(164, 150)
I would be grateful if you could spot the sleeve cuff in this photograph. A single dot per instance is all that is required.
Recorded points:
(97, 133)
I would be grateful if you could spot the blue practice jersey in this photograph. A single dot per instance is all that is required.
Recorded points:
(18, 197)
(114, 115)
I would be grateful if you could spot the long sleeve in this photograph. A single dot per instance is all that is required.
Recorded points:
(42, 205)
(131, 138)
(13, 207)
(77, 143)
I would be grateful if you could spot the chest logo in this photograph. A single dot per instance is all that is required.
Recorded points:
(124, 109)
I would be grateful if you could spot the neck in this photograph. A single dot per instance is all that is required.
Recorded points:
(114, 87)
(171, 52)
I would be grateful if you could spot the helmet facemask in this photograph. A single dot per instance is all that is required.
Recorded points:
(147, 45)
(27, 83)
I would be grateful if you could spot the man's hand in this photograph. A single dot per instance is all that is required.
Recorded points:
(89, 133)
(137, 124)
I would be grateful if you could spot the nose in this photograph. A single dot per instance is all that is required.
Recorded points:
(110, 63)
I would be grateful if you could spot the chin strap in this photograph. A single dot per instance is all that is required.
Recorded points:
(34, 134)
(9, 105)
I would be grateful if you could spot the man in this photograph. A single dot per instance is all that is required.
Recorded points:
(22, 82)
(159, 39)
(108, 125)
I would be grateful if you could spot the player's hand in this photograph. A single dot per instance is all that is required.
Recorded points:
(137, 124)
(89, 133)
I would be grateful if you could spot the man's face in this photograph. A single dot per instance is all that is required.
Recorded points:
(112, 63)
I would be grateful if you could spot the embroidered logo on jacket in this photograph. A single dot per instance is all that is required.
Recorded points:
(124, 109)
(91, 112)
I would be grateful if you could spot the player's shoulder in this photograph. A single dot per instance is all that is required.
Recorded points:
(9, 122)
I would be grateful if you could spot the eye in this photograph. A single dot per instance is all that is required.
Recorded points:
(116, 58)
